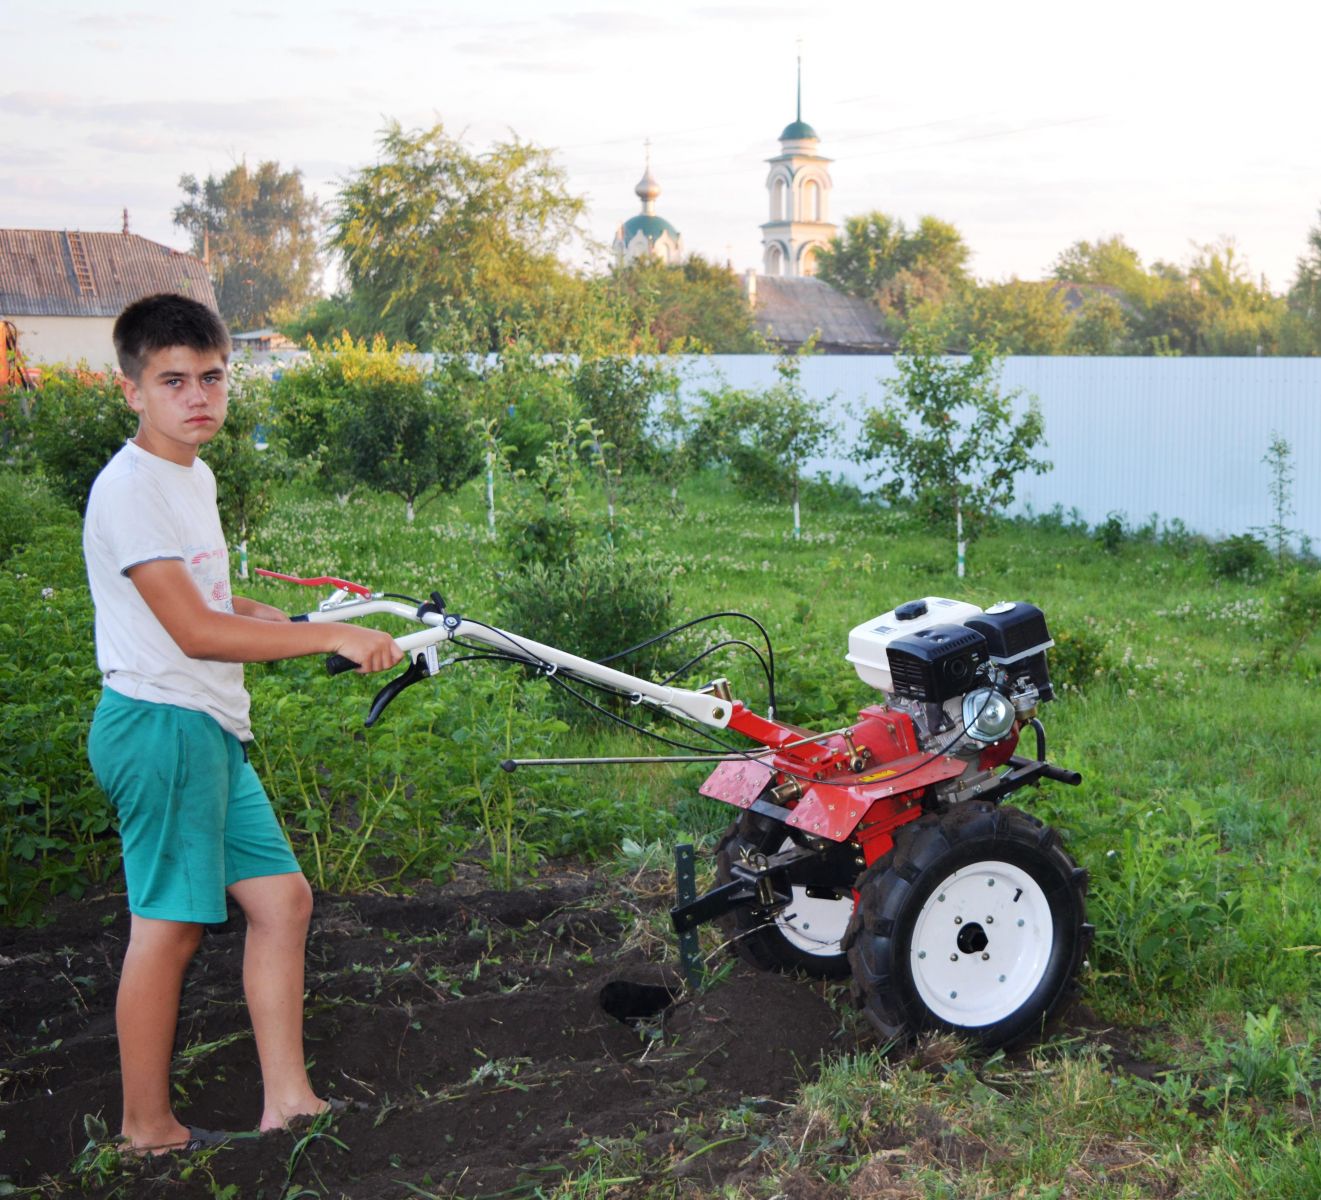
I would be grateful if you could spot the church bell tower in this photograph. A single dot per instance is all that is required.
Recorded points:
(799, 188)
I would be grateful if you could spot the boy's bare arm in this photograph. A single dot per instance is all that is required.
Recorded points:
(202, 632)
(255, 608)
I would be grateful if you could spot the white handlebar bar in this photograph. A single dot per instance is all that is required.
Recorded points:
(709, 709)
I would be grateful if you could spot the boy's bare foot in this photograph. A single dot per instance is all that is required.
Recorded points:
(280, 1116)
(154, 1142)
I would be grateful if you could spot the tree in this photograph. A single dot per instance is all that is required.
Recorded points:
(617, 395)
(694, 307)
(370, 414)
(454, 247)
(765, 436)
(878, 258)
(949, 436)
(1304, 298)
(1100, 326)
(1015, 317)
(258, 230)
(1111, 262)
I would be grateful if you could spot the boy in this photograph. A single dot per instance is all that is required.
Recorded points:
(168, 739)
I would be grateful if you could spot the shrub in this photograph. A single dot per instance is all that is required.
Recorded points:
(1110, 533)
(55, 832)
(616, 395)
(591, 606)
(1297, 615)
(245, 475)
(78, 420)
(1077, 659)
(524, 400)
(1239, 557)
(366, 414)
(26, 506)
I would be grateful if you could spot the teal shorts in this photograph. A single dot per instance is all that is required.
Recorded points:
(193, 816)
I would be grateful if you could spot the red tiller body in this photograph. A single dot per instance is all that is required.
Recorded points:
(860, 785)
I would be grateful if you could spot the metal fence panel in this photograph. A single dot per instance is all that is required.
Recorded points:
(1177, 438)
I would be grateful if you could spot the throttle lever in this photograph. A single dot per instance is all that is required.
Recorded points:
(416, 672)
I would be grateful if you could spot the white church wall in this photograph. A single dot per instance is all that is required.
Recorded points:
(1176, 437)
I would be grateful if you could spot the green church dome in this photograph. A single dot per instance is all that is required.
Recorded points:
(797, 131)
(651, 226)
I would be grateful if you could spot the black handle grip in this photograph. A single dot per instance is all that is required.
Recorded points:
(337, 664)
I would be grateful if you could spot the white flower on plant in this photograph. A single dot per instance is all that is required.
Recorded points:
(47, 593)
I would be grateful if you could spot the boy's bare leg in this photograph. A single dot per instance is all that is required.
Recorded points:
(278, 909)
(146, 1016)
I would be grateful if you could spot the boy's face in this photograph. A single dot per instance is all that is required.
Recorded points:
(181, 399)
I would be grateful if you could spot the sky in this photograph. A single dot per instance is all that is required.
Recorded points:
(1028, 125)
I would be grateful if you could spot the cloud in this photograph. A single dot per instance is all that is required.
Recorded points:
(120, 21)
(314, 53)
(130, 141)
(742, 13)
(189, 116)
(612, 24)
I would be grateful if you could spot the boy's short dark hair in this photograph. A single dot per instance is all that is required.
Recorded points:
(163, 320)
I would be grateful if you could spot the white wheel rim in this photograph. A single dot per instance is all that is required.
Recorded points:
(814, 924)
(981, 944)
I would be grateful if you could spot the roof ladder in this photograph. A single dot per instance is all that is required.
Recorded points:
(81, 269)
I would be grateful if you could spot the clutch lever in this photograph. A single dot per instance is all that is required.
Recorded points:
(416, 672)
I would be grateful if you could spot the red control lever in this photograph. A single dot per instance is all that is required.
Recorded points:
(320, 581)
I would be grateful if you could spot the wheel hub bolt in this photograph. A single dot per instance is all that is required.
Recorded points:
(1002, 979)
(990, 883)
(1020, 922)
(954, 958)
(990, 920)
(958, 920)
(921, 954)
(953, 995)
(985, 957)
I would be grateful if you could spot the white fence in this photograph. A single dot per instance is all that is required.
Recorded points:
(1177, 437)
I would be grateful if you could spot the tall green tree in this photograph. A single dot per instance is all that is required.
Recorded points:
(449, 245)
(258, 231)
(879, 258)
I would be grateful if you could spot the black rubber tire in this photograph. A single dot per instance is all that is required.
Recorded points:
(977, 843)
(765, 944)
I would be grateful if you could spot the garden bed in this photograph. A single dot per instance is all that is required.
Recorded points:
(466, 1025)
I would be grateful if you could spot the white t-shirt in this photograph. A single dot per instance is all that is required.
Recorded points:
(142, 508)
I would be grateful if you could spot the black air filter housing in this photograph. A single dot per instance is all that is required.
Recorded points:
(1017, 639)
(937, 663)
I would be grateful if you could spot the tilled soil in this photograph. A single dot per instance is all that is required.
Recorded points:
(488, 1042)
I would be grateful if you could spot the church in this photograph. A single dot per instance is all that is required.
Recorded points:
(790, 306)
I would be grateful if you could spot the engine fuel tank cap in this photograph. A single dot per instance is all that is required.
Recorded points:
(911, 611)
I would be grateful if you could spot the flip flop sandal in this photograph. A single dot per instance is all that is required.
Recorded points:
(203, 1139)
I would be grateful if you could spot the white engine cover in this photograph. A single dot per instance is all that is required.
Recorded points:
(867, 642)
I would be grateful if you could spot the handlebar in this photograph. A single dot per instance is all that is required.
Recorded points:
(351, 601)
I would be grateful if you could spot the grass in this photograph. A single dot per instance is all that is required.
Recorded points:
(1196, 819)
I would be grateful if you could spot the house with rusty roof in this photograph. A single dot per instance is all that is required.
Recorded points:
(791, 310)
(63, 289)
